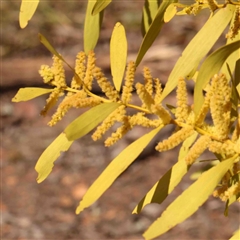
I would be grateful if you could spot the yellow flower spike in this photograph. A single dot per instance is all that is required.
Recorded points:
(191, 116)
(119, 133)
(89, 73)
(128, 86)
(232, 190)
(148, 80)
(65, 105)
(46, 73)
(226, 148)
(234, 30)
(162, 113)
(105, 85)
(182, 105)
(220, 105)
(86, 102)
(52, 99)
(109, 122)
(140, 120)
(197, 149)
(158, 91)
(175, 139)
(58, 71)
(146, 99)
(80, 70)
(137, 119)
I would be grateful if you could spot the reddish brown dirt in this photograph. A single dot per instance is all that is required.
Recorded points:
(47, 211)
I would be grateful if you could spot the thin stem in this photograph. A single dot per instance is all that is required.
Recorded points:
(138, 108)
(89, 93)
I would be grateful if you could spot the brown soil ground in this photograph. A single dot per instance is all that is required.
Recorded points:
(47, 211)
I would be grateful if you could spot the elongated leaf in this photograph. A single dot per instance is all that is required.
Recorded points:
(211, 66)
(189, 201)
(153, 30)
(164, 186)
(149, 11)
(49, 156)
(118, 54)
(25, 94)
(27, 9)
(198, 47)
(48, 45)
(78, 128)
(89, 120)
(236, 235)
(235, 97)
(92, 25)
(237, 76)
(100, 5)
(233, 57)
(115, 168)
(170, 13)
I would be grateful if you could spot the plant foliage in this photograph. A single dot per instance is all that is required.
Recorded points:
(217, 91)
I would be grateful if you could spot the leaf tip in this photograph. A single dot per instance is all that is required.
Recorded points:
(14, 99)
(23, 24)
(39, 180)
(134, 211)
(79, 209)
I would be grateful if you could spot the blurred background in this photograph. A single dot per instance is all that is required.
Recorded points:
(47, 210)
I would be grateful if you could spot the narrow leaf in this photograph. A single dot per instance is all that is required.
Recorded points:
(48, 45)
(193, 54)
(237, 76)
(49, 156)
(89, 120)
(164, 186)
(114, 169)
(235, 97)
(27, 9)
(170, 13)
(92, 25)
(25, 94)
(78, 128)
(100, 5)
(234, 56)
(189, 201)
(118, 54)
(153, 30)
(149, 11)
(236, 235)
(211, 66)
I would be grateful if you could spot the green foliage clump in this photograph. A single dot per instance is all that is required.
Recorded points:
(217, 91)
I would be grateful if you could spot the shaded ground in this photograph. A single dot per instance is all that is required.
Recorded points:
(47, 210)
